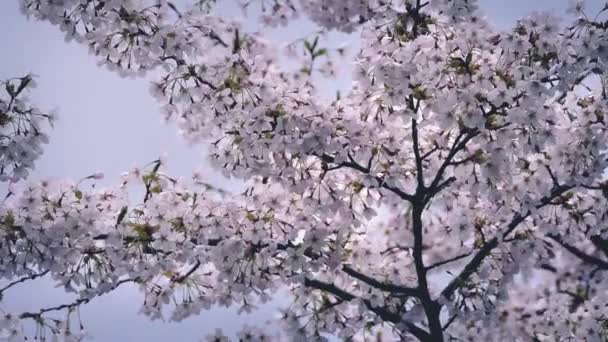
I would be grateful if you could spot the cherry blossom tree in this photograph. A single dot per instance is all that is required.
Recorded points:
(455, 193)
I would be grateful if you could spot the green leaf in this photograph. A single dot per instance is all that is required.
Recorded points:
(9, 219)
(78, 194)
(357, 186)
(141, 231)
(251, 217)
(308, 46)
(469, 58)
(320, 53)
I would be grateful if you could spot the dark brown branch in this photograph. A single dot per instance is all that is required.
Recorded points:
(215, 37)
(182, 278)
(487, 248)
(380, 285)
(449, 322)
(22, 280)
(356, 166)
(447, 261)
(384, 286)
(589, 259)
(459, 144)
(69, 306)
(552, 175)
(600, 244)
(418, 158)
(434, 191)
(429, 153)
(382, 312)
(174, 9)
(431, 308)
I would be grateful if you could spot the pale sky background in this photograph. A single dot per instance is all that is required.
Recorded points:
(108, 123)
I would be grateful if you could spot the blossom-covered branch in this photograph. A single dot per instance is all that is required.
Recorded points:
(22, 129)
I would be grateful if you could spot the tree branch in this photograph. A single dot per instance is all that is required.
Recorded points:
(182, 278)
(382, 312)
(356, 166)
(600, 244)
(447, 261)
(459, 143)
(416, 147)
(69, 306)
(21, 280)
(589, 259)
(474, 264)
(380, 285)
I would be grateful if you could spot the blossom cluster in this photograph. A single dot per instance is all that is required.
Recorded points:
(23, 129)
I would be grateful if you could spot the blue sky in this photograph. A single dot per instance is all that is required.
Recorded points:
(108, 123)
